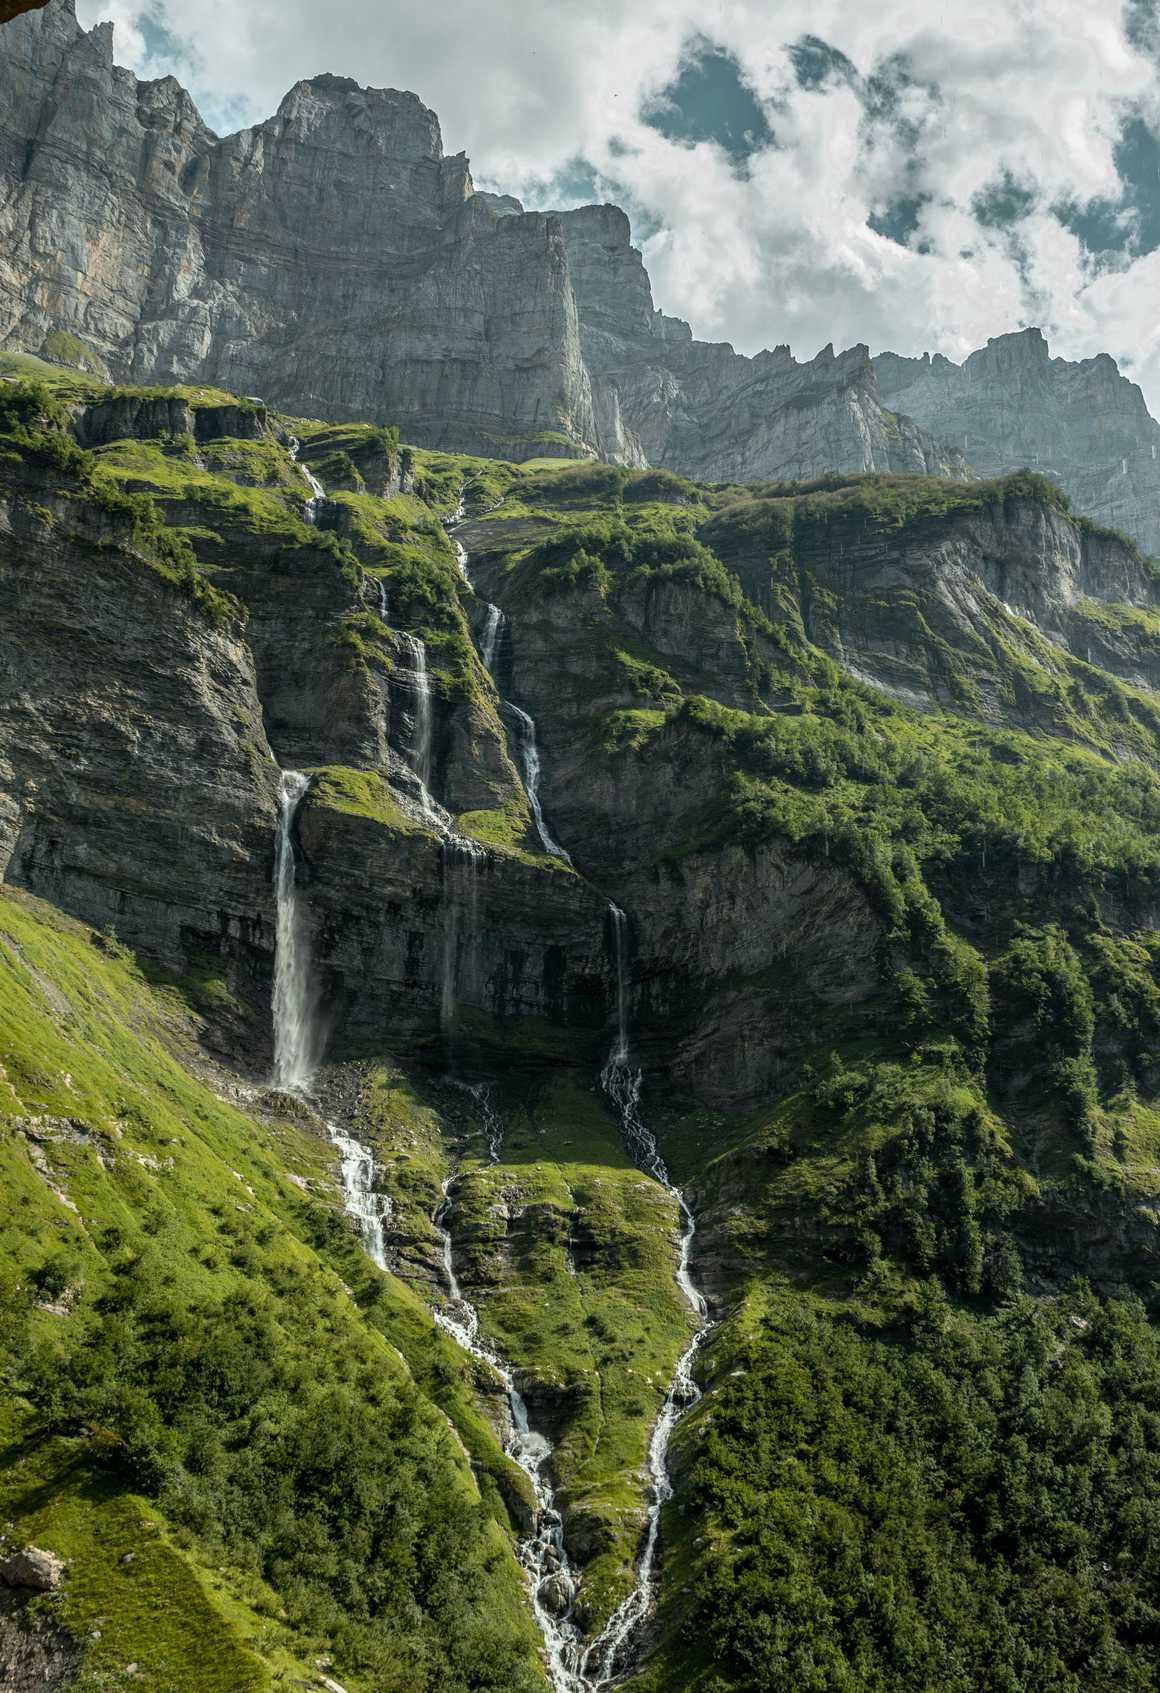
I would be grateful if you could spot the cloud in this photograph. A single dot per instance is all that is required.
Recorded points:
(914, 177)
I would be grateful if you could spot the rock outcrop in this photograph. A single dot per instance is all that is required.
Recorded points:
(137, 786)
(1010, 404)
(10, 9)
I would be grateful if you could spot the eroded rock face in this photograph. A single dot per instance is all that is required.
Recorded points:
(177, 255)
(702, 409)
(491, 329)
(1011, 404)
(136, 784)
(472, 324)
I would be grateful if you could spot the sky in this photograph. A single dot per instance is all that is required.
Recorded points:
(919, 176)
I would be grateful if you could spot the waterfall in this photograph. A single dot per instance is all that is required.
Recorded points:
(460, 859)
(489, 640)
(623, 1083)
(420, 748)
(549, 1574)
(317, 491)
(295, 1035)
(384, 607)
(525, 726)
(530, 759)
(369, 1209)
(293, 1007)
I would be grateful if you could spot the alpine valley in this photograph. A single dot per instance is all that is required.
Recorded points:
(579, 951)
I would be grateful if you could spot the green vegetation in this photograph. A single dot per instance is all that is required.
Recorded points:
(926, 1456)
(966, 1503)
(61, 346)
(191, 1383)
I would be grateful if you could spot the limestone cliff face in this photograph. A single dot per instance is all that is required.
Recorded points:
(702, 409)
(1011, 403)
(335, 261)
(278, 259)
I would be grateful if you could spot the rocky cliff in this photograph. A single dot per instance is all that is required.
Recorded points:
(139, 239)
(809, 829)
(1081, 423)
(136, 242)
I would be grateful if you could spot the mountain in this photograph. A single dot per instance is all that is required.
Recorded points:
(334, 261)
(795, 844)
(1083, 424)
(271, 261)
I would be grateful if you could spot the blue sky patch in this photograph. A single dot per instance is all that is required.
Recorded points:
(709, 101)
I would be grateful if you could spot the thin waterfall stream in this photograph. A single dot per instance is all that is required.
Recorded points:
(613, 1651)
(295, 1034)
(527, 747)
(317, 491)
(550, 1576)
(552, 1579)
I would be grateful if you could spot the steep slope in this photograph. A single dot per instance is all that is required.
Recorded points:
(700, 408)
(205, 1415)
(868, 768)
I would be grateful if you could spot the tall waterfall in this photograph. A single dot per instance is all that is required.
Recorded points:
(420, 748)
(607, 1656)
(294, 1036)
(490, 639)
(295, 1032)
(530, 759)
(525, 726)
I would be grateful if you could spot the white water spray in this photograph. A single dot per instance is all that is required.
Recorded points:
(525, 726)
(420, 719)
(490, 639)
(370, 1209)
(295, 1037)
(293, 1019)
(317, 491)
(530, 759)
(611, 1651)
(551, 1579)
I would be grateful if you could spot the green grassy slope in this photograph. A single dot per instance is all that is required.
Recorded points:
(193, 1383)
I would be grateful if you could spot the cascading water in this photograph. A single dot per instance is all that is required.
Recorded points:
(317, 491)
(293, 1008)
(525, 726)
(609, 1652)
(490, 638)
(420, 748)
(530, 759)
(295, 1038)
(550, 1576)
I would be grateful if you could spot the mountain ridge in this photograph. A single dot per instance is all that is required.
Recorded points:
(463, 319)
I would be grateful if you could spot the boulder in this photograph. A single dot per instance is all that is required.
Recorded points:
(33, 1568)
